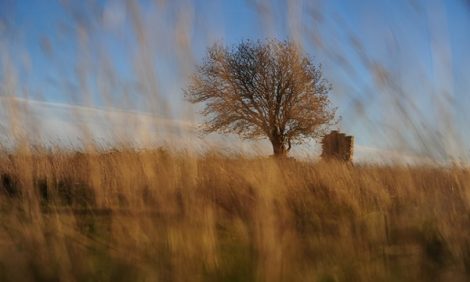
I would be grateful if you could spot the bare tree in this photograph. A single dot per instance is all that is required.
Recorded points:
(262, 89)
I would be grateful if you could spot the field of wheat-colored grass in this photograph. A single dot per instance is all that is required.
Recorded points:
(129, 215)
(112, 73)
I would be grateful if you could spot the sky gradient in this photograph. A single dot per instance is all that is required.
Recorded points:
(399, 69)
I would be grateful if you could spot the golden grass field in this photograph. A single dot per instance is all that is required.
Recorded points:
(114, 73)
(129, 215)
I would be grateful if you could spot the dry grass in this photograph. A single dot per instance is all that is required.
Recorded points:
(161, 216)
(156, 215)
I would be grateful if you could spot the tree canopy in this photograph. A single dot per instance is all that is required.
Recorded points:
(262, 89)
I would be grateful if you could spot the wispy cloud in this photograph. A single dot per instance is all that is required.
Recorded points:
(367, 154)
(69, 122)
(47, 108)
(60, 121)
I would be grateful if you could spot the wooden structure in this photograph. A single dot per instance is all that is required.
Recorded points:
(337, 146)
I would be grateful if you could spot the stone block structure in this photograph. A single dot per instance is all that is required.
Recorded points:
(337, 146)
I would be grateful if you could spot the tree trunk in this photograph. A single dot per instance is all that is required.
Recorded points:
(279, 148)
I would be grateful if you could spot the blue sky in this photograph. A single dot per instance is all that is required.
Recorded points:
(61, 54)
